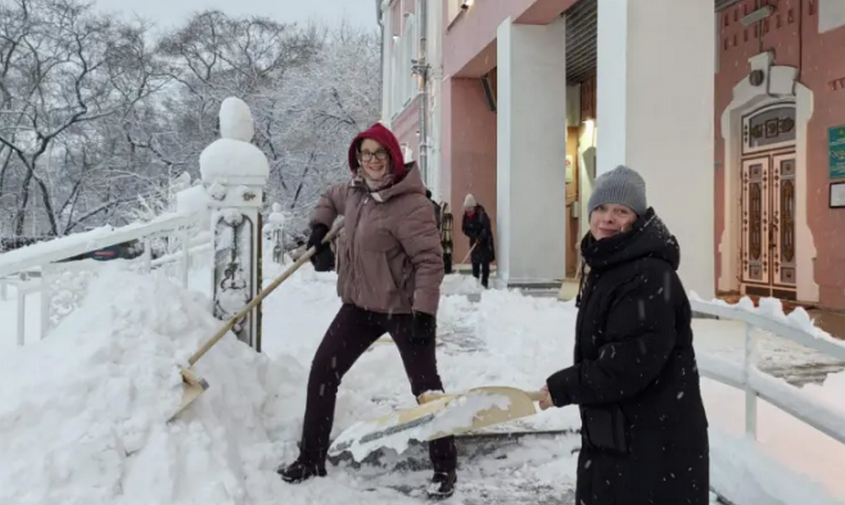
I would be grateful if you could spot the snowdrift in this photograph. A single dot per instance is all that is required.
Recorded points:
(82, 413)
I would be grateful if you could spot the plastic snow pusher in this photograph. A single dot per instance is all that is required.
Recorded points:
(438, 415)
(193, 384)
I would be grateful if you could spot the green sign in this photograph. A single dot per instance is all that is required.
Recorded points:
(836, 147)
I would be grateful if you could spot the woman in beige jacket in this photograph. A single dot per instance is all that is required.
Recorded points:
(390, 266)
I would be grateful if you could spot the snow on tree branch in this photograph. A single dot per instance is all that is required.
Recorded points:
(97, 121)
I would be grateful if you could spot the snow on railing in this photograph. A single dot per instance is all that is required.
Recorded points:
(796, 327)
(39, 267)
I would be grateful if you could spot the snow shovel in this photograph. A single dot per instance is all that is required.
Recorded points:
(193, 384)
(438, 415)
(468, 253)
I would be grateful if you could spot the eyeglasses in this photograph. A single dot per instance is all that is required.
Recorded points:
(380, 155)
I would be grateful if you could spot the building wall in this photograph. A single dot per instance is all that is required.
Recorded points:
(792, 33)
(468, 162)
(401, 45)
(467, 151)
(405, 126)
(821, 64)
(401, 94)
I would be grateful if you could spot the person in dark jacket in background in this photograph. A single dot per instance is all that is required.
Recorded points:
(436, 208)
(634, 377)
(476, 225)
(446, 223)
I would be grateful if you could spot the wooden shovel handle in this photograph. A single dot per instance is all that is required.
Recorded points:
(536, 395)
(263, 294)
(468, 253)
(428, 397)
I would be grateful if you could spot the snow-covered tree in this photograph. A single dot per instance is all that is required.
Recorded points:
(97, 118)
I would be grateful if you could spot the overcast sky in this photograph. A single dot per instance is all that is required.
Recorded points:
(166, 13)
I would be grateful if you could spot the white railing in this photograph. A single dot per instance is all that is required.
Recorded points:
(35, 268)
(757, 384)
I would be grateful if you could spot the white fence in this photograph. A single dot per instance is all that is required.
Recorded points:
(42, 267)
(757, 384)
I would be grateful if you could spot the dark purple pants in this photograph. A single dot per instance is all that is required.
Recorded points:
(351, 333)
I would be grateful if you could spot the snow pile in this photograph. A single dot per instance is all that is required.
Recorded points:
(83, 412)
(744, 477)
(515, 341)
(277, 217)
(772, 308)
(233, 154)
(460, 284)
(780, 436)
(236, 120)
(193, 199)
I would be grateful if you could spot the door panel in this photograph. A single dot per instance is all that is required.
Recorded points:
(783, 221)
(755, 221)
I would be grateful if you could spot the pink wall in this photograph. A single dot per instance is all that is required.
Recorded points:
(469, 154)
(797, 44)
(819, 66)
(469, 45)
(395, 18)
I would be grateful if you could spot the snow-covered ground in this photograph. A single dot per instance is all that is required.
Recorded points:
(82, 412)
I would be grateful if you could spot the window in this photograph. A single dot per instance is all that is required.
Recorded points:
(404, 84)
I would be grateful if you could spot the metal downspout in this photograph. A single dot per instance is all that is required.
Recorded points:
(422, 70)
(381, 48)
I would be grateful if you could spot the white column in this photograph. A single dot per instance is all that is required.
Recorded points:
(656, 114)
(531, 153)
(435, 59)
(234, 173)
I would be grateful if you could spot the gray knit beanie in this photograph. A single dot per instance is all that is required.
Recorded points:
(621, 185)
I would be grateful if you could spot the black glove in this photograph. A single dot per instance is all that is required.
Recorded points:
(423, 329)
(318, 233)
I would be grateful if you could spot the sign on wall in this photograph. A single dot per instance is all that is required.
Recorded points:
(836, 148)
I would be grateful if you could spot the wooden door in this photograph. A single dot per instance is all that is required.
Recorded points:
(768, 226)
(782, 234)
(573, 240)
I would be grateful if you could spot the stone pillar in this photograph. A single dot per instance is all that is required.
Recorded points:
(234, 173)
(276, 228)
(655, 100)
(531, 153)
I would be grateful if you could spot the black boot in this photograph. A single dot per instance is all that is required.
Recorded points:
(442, 485)
(298, 471)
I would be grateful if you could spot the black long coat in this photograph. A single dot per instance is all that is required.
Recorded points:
(478, 229)
(634, 378)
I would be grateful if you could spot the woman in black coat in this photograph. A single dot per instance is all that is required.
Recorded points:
(634, 377)
(476, 226)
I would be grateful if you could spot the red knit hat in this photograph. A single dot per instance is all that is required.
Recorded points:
(385, 137)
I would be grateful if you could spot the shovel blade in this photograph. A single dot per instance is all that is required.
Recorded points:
(438, 416)
(192, 387)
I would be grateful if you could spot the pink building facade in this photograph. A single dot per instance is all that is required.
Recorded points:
(529, 100)
(506, 121)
